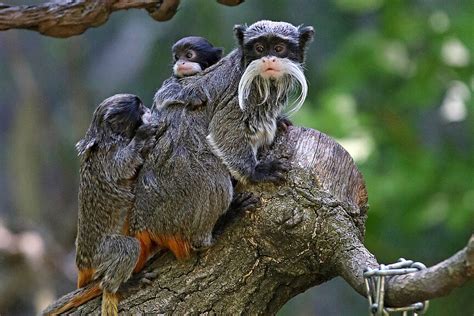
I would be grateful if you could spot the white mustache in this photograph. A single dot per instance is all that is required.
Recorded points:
(293, 77)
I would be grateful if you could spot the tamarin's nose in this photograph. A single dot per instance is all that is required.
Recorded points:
(269, 59)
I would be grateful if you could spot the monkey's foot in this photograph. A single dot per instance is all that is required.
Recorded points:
(148, 277)
(244, 201)
(204, 244)
(146, 131)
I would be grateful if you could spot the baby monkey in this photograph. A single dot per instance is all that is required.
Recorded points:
(191, 55)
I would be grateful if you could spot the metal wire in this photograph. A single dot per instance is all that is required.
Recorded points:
(374, 280)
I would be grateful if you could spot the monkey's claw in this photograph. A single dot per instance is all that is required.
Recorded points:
(241, 202)
(148, 277)
(244, 201)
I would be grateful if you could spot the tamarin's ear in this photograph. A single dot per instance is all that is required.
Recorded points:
(219, 52)
(85, 146)
(239, 33)
(306, 35)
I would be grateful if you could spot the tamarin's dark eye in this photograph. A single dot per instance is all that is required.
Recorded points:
(190, 54)
(279, 48)
(259, 48)
(176, 57)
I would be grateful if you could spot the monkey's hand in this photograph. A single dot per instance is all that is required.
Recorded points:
(270, 171)
(283, 123)
(145, 137)
(194, 98)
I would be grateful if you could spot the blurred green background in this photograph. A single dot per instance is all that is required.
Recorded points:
(391, 80)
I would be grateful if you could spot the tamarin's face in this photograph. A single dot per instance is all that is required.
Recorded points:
(273, 47)
(122, 114)
(272, 56)
(193, 54)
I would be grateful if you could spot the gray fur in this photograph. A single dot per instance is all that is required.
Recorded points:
(109, 164)
(170, 93)
(252, 124)
(183, 188)
(282, 29)
(116, 260)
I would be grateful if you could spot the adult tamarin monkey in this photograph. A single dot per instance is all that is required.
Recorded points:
(111, 155)
(184, 185)
(271, 56)
(191, 55)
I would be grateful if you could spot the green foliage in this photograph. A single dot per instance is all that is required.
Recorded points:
(389, 81)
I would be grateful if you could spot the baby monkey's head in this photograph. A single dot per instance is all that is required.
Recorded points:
(117, 117)
(193, 54)
(120, 114)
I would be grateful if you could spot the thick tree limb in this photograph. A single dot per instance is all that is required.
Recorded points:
(64, 18)
(306, 232)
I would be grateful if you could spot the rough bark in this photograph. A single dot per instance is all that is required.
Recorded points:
(306, 231)
(66, 18)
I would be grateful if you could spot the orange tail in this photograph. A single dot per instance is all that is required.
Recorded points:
(78, 299)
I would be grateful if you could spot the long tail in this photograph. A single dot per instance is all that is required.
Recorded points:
(109, 304)
(74, 299)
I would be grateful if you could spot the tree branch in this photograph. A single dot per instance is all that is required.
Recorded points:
(306, 232)
(66, 18)
(436, 281)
